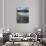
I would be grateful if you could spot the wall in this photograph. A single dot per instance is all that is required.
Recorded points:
(1, 15)
(35, 18)
(44, 18)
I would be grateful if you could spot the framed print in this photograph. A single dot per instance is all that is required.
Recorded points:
(22, 14)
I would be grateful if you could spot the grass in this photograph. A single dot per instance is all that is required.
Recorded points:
(22, 19)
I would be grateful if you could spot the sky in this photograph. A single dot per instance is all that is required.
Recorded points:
(23, 13)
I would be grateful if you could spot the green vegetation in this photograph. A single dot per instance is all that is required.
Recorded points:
(22, 19)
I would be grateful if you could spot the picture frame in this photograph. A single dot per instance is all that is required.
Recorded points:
(22, 14)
